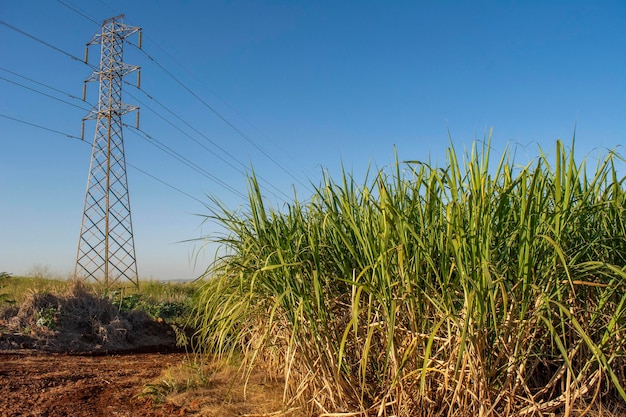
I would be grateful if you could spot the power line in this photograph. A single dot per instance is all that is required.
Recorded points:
(164, 147)
(75, 10)
(169, 150)
(211, 108)
(203, 84)
(42, 84)
(143, 105)
(152, 140)
(244, 172)
(112, 9)
(43, 94)
(41, 127)
(219, 115)
(165, 183)
(2, 22)
(84, 15)
(88, 17)
(230, 124)
(86, 143)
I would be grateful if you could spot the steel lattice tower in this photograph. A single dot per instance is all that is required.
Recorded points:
(106, 247)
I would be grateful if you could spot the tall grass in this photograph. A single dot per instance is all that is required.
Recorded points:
(472, 289)
(152, 296)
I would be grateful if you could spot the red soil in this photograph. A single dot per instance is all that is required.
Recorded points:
(55, 385)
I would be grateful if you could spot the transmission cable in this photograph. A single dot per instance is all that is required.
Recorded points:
(2, 22)
(215, 179)
(41, 127)
(42, 84)
(245, 169)
(144, 105)
(162, 146)
(152, 140)
(203, 84)
(77, 11)
(219, 115)
(186, 123)
(44, 94)
(194, 139)
(229, 123)
(86, 143)
(165, 183)
(224, 119)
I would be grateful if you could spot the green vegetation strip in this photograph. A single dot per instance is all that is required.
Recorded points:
(170, 301)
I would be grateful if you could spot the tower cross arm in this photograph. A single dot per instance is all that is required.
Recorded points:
(115, 109)
(114, 27)
(120, 69)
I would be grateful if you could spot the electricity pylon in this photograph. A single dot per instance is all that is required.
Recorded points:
(106, 247)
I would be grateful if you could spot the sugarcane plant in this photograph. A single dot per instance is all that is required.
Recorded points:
(469, 289)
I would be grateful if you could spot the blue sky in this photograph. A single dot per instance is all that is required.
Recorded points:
(304, 86)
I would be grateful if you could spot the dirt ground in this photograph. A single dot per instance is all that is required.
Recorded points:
(55, 385)
(76, 355)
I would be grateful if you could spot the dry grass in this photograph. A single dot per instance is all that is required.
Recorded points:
(213, 388)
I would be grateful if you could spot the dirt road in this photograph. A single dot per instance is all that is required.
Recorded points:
(50, 385)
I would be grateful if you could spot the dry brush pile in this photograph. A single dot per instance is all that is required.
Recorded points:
(470, 289)
(80, 321)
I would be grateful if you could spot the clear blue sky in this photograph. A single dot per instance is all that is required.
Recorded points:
(312, 84)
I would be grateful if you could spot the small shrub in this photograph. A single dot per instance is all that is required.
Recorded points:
(124, 302)
(47, 318)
